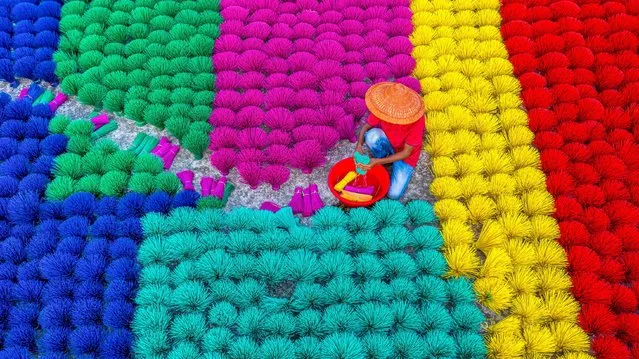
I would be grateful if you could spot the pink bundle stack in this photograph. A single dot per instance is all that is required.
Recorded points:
(291, 79)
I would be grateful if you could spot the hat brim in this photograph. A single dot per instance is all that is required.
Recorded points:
(389, 118)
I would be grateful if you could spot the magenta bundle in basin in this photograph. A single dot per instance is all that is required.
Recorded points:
(292, 76)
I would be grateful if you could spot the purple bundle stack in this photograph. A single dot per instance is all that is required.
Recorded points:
(291, 79)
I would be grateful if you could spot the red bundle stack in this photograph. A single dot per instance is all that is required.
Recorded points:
(579, 69)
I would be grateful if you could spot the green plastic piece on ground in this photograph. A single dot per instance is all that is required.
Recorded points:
(228, 189)
(139, 149)
(139, 138)
(148, 145)
(361, 159)
(104, 130)
(46, 97)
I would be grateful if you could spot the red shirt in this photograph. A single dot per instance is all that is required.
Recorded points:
(398, 135)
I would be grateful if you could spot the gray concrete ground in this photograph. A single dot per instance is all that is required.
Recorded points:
(243, 195)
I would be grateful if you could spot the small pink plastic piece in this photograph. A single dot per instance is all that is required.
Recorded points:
(162, 147)
(307, 208)
(58, 100)
(100, 120)
(270, 206)
(218, 191)
(170, 156)
(23, 93)
(316, 200)
(206, 185)
(297, 202)
(186, 177)
(362, 190)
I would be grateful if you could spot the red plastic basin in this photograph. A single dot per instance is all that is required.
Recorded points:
(377, 177)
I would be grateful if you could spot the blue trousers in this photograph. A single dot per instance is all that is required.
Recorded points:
(402, 172)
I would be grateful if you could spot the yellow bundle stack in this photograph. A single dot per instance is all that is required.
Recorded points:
(492, 200)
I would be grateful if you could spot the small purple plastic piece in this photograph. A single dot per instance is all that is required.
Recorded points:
(307, 208)
(362, 190)
(162, 147)
(297, 202)
(100, 120)
(186, 177)
(23, 93)
(218, 190)
(270, 206)
(316, 200)
(170, 156)
(206, 185)
(57, 101)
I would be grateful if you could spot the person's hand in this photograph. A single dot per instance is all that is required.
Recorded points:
(358, 148)
(373, 163)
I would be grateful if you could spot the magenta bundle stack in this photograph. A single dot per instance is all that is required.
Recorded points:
(291, 79)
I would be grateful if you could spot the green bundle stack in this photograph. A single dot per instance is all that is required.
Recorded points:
(256, 284)
(103, 168)
(147, 59)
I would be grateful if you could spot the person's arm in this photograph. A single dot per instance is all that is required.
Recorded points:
(399, 156)
(360, 137)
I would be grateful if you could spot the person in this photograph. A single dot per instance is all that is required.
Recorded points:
(393, 132)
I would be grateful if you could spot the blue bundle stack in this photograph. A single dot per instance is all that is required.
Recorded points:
(28, 39)
(68, 270)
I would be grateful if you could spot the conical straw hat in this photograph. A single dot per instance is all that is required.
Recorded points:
(394, 103)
